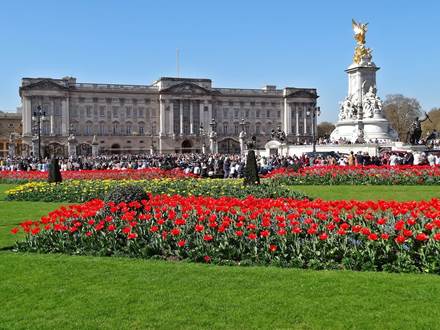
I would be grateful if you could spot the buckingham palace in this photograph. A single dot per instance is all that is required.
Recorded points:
(170, 115)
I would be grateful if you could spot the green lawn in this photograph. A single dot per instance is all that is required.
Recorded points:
(58, 291)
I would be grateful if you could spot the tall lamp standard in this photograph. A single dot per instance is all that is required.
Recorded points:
(39, 116)
(313, 112)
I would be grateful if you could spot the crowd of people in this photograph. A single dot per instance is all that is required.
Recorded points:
(218, 165)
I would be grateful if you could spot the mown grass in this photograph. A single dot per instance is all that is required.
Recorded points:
(54, 291)
(71, 292)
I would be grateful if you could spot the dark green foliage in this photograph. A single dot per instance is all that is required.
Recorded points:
(251, 172)
(54, 171)
(126, 193)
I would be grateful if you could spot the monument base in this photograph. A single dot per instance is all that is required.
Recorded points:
(372, 129)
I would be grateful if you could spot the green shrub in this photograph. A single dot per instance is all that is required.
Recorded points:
(126, 193)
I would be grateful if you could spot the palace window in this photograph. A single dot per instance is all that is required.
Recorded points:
(89, 111)
(141, 129)
(115, 128)
(247, 128)
(257, 113)
(115, 112)
(268, 113)
(236, 128)
(246, 113)
(128, 111)
(128, 129)
(88, 129)
(141, 112)
(236, 112)
(252, 104)
(225, 113)
(102, 111)
(278, 114)
(231, 103)
(101, 129)
(225, 128)
(257, 128)
(74, 112)
(135, 112)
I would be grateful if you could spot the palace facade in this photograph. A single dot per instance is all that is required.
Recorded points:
(10, 133)
(171, 115)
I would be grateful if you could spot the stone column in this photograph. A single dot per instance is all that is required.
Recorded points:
(181, 117)
(202, 119)
(191, 118)
(287, 116)
(171, 119)
(65, 116)
(162, 117)
(210, 117)
(297, 120)
(52, 124)
(305, 119)
(26, 116)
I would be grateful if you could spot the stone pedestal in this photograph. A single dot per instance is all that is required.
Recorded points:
(95, 147)
(361, 117)
(71, 146)
(213, 143)
(242, 137)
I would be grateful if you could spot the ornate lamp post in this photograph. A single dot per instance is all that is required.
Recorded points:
(213, 136)
(313, 112)
(202, 136)
(39, 116)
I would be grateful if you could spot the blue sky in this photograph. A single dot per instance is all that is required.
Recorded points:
(235, 43)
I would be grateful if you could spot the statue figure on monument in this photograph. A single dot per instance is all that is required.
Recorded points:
(347, 109)
(279, 134)
(372, 103)
(415, 130)
(360, 52)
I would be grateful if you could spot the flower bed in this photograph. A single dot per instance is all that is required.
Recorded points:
(84, 190)
(391, 236)
(358, 175)
(148, 173)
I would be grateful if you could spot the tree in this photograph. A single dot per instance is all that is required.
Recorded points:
(428, 126)
(325, 129)
(401, 112)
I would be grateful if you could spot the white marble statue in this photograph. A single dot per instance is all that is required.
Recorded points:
(347, 109)
(371, 103)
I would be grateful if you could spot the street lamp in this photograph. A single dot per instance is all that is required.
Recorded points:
(313, 112)
(38, 117)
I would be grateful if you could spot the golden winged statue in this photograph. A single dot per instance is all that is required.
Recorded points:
(360, 52)
(360, 30)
